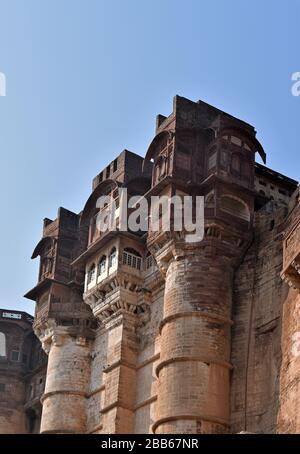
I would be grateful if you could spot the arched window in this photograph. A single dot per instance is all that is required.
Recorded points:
(31, 417)
(2, 344)
(160, 168)
(132, 258)
(224, 159)
(245, 168)
(46, 265)
(91, 273)
(149, 261)
(112, 258)
(236, 164)
(183, 160)
(102, 265)
(210, 199)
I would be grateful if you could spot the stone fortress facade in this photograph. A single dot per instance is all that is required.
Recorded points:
(146, 333)
(23, 367)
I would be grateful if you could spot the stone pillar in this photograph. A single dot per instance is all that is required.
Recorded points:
(194, 367)
(288, 421)
(120, 375)
(120, 312)
(68, 375)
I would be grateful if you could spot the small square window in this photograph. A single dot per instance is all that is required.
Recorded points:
(15, 355)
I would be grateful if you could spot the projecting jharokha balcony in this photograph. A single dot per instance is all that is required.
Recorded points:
(127, 262)
(291, 257)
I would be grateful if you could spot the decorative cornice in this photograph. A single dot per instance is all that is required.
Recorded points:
(125, 296)
(54, 334)
(211, 317)
(201, 359)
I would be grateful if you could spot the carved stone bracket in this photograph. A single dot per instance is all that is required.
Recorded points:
(296, 265)
(291, 275)
(54, 334)
(124, 296)
(169, 246)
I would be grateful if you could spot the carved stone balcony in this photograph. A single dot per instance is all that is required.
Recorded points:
(119, 295)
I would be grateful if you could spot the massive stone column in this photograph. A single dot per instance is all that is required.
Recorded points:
(68, 374)
(120, 375)
(194, 367)
(289, 416)
(120, 312)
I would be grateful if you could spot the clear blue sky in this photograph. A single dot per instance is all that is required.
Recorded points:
(85, 80)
